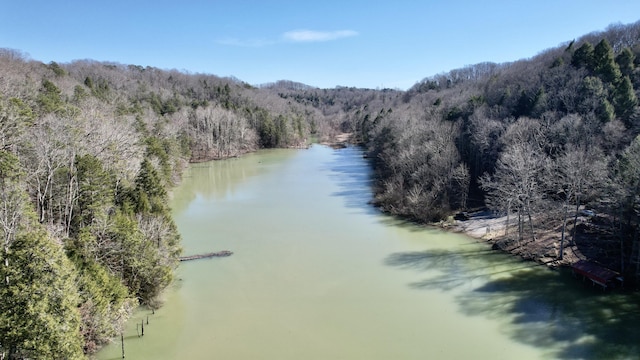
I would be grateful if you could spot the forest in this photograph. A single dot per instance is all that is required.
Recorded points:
(89, 153)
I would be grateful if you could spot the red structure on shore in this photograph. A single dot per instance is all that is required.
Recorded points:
(597, 274)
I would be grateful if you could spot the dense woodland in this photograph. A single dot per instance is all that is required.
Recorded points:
(89, 152)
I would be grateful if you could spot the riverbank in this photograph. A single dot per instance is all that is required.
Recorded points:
(545, 249)
(338, 141)
(486, 226)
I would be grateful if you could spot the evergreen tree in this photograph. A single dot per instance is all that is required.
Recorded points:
(160, 149)
(583, 57)
(524, 105)
(605, 65)
(149, 195)
(104, 304)
(94, 191)
(142, 269)
(59, 71)
(625, 61)
(594, 99)
(282, 135)
(39, 318)
(148, 180)
(79, 94)
(50, 99)
(625, 100)
(88, 82)
(268, 133)
(605, 112)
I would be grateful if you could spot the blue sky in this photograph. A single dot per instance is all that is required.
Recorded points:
(328, 43)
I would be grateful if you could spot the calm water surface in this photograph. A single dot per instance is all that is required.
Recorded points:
(317, 273)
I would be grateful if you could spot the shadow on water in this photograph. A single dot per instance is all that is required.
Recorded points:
(544, 308)
(353, 175)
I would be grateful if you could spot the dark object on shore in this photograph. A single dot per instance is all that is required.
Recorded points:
(461, 216)
(597, 274)
(207, 255)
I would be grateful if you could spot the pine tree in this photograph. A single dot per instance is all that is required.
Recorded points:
(605, 65)
(50, 99)
(136, 259)
(94, 191)
(605, 111)
(583, 57)
(104, 304)
(625, 61)
(39, 318)
(625, 100)
(268, 133)
(148, 180)
(594, 99)
(149, 195)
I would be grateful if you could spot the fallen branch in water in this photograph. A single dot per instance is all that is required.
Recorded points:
(207, 255)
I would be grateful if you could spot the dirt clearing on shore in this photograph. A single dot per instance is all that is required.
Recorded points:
(485, 225)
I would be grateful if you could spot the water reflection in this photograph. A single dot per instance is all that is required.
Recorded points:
(353, 174)
(220, 178)
(546, 309)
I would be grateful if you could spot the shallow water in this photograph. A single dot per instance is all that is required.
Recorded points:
(317, 273)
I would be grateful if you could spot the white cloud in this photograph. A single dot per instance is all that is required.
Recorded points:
(317, 36)
(297, 36)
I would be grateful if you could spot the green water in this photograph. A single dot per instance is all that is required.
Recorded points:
(317, 273)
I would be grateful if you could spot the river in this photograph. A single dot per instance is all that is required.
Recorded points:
(318, 273)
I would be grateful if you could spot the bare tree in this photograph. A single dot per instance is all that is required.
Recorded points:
(221, 133)
(12, 203)
(516, 184)
(580, 172)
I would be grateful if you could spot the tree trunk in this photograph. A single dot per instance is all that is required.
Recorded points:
(533, 233)
(6, 265)
(575, 220)
(519, 226)
(564, 226)
(506, 226)
(72, 188)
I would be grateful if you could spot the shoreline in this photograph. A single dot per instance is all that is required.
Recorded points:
(485, 226)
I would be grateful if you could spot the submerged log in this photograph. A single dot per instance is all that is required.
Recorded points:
(207, 255)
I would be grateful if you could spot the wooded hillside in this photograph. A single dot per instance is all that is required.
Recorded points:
(90, 150)
(88, 153)
(545, 140)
